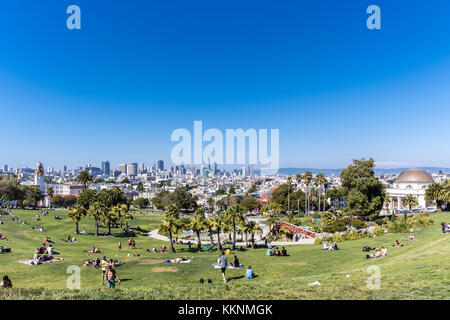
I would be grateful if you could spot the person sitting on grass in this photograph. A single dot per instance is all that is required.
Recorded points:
(334, 246)
(249, 274)
(50, 251)
(236, 263)
(6, 283)
(397, 244)
(283, 252)
(269, 252)
(326, 245)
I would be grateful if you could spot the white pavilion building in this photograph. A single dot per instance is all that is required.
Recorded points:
(414, 182)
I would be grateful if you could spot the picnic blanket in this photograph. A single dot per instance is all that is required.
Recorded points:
(216, 266)
(30, 262)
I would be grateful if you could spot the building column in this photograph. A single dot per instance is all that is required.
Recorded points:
(399, 202)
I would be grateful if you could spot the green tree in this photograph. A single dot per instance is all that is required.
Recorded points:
(307, 178)
(97, 211)
(197, 224)
(171, 225)
(87, 197)
(69, 201)
(364, 193)
(140, 187)
(50, 192)
(235, 213)
(435, 192)
(141, 202)
(409, 201)
(76, 214)
(85, 177)
(253, 228)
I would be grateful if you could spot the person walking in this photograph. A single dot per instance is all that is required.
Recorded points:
(223, 263)
(111, 276)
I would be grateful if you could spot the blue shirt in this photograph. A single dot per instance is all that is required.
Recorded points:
(249, 274)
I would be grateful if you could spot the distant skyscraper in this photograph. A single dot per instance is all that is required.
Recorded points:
(106, 167)
(132, 169)
(160, 165)
(123, 168)
(5, 168)
(65, 168)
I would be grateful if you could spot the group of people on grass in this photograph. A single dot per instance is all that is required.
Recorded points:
(71, 239)
(163, 249)
(329, 246)
(222, 263)
(276, 252)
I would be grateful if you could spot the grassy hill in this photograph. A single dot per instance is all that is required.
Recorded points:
(420, 270)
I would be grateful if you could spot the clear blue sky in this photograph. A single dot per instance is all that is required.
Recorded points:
(140, 69)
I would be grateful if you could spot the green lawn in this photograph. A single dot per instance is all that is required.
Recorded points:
(420, 270)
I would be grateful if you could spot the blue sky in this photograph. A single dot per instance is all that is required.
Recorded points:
(137, 70)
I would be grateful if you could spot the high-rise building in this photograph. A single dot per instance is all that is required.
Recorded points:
(160, 165)
(132, 169)
(5, 168)
(123, 168)
(106, 167)
(65, 169)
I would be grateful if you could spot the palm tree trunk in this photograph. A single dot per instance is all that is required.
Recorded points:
(109, 227)
(171, 242)
(96, 227)
(234, 234)
(76, 228)
(199, 242)
(219, 244)
(211, 237)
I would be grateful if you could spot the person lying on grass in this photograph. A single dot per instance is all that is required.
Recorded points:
(179, 260)
(93, 250)
(3, 237)
(409, 238)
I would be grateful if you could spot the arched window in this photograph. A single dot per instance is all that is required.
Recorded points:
(409, 186)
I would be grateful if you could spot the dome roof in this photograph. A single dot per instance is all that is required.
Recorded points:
(414, 176)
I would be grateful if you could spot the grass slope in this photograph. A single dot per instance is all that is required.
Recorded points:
(420, 270)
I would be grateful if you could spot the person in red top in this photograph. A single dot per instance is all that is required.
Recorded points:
(43, 248)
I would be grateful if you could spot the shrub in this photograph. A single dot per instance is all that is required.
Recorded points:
(358, 224)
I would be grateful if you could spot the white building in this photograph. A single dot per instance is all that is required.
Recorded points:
(410, 182)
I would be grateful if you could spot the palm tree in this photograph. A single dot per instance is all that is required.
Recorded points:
(435, 192)
(210, 226)
(289, 182)
(307, 178)
(76, 214)
(170, 227)
(110, 215)
(97, 212)
(125, 214)
(217, 224)
(298, 178)
(235, 212)
(253, 228)
(319, 182)
(198, 224)
(50, 192)
(410, 201)
(85, 177)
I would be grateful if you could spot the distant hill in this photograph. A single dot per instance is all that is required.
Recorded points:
(337, 172)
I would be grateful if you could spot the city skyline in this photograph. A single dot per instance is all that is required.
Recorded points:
(117, 88)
